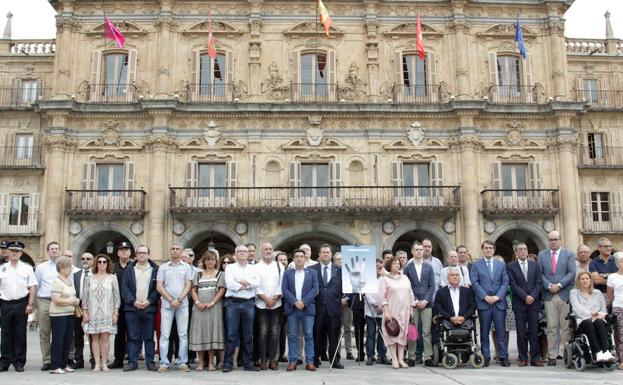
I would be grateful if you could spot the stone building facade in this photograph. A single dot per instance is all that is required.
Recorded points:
(291, 136)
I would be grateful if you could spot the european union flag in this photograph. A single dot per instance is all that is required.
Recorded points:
(519, 39)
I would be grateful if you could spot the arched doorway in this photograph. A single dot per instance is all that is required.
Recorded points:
(314, 235)
(201, 237)
(512, 233)
(405, 241)
(106, 243)
(97, 238)
(403, 237)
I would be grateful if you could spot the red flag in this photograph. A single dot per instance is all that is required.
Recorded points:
(419, 41)
(325, 19)
(211, 41)
(112, 33)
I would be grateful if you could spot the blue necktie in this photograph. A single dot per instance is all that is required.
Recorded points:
(490, 266)
(325, 276)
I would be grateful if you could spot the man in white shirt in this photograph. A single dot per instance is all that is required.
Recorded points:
(17, 295)
(45, 274)
(453, 261)
(241, 281)
(268, 307)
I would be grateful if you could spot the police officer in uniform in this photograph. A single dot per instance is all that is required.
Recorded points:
(17, 295)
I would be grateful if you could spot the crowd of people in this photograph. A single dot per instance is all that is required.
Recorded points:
(241, 310)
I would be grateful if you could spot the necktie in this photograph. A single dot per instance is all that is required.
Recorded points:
(325, 275)
(524, 270)
(490, 266)
(554, 262)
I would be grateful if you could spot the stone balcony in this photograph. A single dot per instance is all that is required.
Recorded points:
(105, 203)
(507, 202)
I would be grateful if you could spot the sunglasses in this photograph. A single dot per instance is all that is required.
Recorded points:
(226, 262)
(103, 262)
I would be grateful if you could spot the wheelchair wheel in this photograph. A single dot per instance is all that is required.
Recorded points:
(609, 366)
(476, 360)
(568, 356)
(580, 364)
(436, 354)
(450, 361)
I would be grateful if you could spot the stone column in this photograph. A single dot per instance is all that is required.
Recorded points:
(157, 196)
(461, 62)
(557, 52)
(255, 52)
(54, 188)
(569, 200)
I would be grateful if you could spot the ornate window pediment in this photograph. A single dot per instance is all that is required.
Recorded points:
(128, 28)
(310, 28)
(408, 30)
(219, 28)
(504, 31)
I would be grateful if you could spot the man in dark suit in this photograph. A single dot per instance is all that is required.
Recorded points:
(455, 303)
(525, 280)
(124, 254)
(300, 288)
(80, 277)
(490, 284)
(558, 271)
(422, 279)
(328, 307)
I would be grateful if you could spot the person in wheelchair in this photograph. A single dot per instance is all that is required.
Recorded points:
(588, 308)
(454, 304)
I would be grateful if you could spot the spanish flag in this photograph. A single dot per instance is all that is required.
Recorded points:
(325, 19)
(211, 43)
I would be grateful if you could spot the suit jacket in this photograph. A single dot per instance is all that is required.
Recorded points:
(77, 279)
(483, 285)
(444, 307)
(423, 288)
(521, 288)
(329, 296)
(128, 289)
(309, 292)
(565, 272)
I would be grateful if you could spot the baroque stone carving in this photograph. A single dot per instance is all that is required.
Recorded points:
(212, 133)
(273, 86)
(311, 28)
(110, 134)
(415, 133)
(181, 90)
(142, 88)
(314, 135)
(514, 135)
(353, 87)
(240, 89)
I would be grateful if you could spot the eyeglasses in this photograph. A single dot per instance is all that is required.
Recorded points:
(103, 262)
(554, 239)
(605, 246)
(142, 252)
(87, 259)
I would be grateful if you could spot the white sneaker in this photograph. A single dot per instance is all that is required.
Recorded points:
(609, 356)
(600, 357)
(57, 371)
(68, 369)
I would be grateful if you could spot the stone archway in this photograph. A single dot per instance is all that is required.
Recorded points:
(507, 235)
(440, 239)
(204, 235)
(313, 234)
(112, 230)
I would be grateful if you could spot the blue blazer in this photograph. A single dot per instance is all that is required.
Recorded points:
(128, 289)
(565, 272)
(329, 296)
(483, 285)
(424, 288)
(521, 288)
(309, 292)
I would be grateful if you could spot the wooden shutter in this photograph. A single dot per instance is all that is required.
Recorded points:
(96, 66)
(431, 67)
(296, 56)
(335, 178)
(229, 63)
(194, 68)
(332, 75)
(88, 175)
(232, 178)
(493, 68)
(294, 181)
(192, 169)
(398, 68)
(535, 175)
(397, 178)
(496, 172)
(16, 92)
(33, 212)
(128, 175)
(436, 169)
(526, 68)
(4, 210)
(616, 206)
(39, 91)
(132, 64)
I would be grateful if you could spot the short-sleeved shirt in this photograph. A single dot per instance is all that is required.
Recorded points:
(602, 267)
(615, 281)
(45, 273)
(174, 278)
(66, 290)
(15, 281)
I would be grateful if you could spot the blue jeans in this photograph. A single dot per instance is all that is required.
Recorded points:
(166, 321)
(140, 330)
(239, 316)
(307, 322)
(498, 318)
(373, 337)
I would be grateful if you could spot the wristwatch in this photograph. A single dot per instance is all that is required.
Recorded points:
(197, 302)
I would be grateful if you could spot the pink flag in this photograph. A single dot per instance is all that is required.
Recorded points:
(112, 33)
(211, 41)
(419, 41)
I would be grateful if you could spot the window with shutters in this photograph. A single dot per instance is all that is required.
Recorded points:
(24, 146)
(595, 145)
(19, 206)
(509, 75)
(414, 79)
(315, 176)
(600, 206)
(29, 91)
(314, 74)
(212, 179)
(514, 177)
(116, 67)
(110, 177)
(212, 75)
(590, 90)
(416, 174)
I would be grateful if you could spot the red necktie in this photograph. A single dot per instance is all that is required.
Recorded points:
(554, 262)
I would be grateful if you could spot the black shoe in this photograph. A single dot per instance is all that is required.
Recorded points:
(418, 360)
(386, 361)
(46, 367)
(251, 368)
(78, 365)
(410, 362)
(361, 358)
(324, 357)
(4, 368)
(284, 359)
(299, 362)
(370, 361)
(227, 369)
(129, 368)
(116, 365)
(92, 362)
(504, 362)
(151, 368)
(429, 362)
(19, 368)
(337, 365)
(551, 362)
(487, 360)
(317, 363)
(349, 356)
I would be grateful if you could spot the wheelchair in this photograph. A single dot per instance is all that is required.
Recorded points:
(455, 344)
(577, 353)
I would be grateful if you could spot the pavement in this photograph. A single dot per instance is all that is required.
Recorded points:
(353, 374)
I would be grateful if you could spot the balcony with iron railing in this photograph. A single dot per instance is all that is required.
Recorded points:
(211, 93)
(118, 203)
(600, 157)
(19, 224)
(314, 92)
(513, 94)
(602, 223)
(111, 93)
(21, 157)
(21, 97)
(361, 199)
(519, 201)
(416, 94)
(597, 99)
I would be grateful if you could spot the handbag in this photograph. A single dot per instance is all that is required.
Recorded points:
(412, 333)
(392, 327)
(78, 312)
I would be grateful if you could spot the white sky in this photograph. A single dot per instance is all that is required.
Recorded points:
(35, 18)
